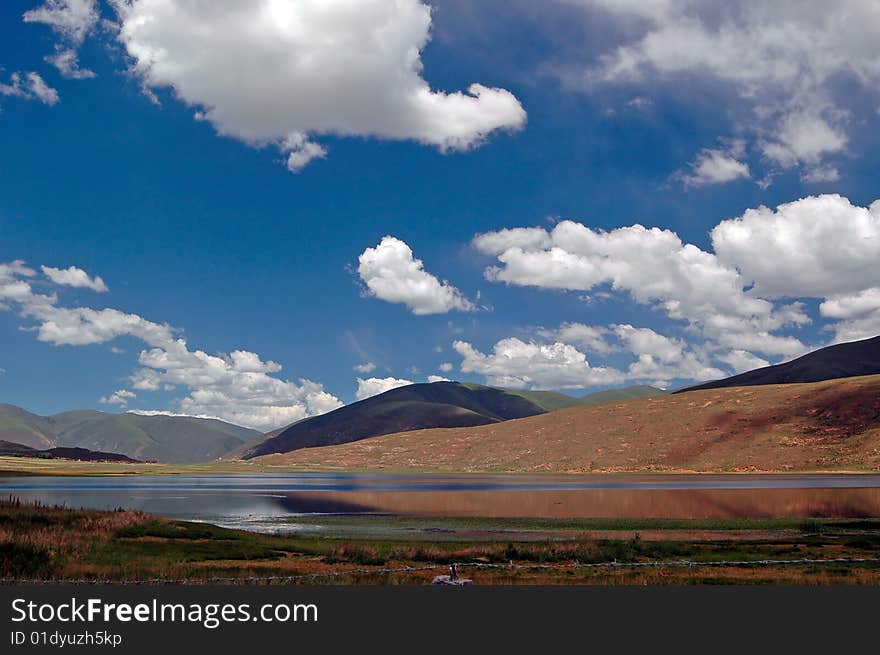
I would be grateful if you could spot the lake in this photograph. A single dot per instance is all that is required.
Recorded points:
(255, 501)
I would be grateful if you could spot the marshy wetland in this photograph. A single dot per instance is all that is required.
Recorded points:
(384, 528)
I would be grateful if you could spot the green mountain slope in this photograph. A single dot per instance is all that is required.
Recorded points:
(175, 439)
(616, 395)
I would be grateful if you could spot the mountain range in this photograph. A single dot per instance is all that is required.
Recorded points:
(410, 409)
(177, 439)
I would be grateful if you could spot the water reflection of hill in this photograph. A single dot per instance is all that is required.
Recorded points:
(716, 503)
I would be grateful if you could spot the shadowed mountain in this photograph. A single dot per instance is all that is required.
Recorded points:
(549, 401)
(413, 407)
(178, 439)
(844, 360)
(11, 449)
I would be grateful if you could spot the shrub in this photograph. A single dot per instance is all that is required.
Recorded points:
(23, 561)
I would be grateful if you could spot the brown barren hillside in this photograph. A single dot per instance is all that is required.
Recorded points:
(832, 425)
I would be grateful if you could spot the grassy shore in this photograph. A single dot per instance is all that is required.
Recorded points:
(54, 543)
(30, 466)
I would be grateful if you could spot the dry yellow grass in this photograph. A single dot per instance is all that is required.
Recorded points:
(825, 426)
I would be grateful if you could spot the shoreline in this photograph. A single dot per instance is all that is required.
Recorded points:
(32, 467)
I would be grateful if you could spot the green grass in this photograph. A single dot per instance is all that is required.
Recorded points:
(425, 523)
(56, 543)
(547, 400)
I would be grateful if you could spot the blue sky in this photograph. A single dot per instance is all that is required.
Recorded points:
(605, 115)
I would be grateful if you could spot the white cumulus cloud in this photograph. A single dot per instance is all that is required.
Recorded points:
(518, 364)
(739, 296)
(654, 266)
(717, 166)
(813, 247)
(653, 358)
(286, 71)
(392, 274)
(662, 359)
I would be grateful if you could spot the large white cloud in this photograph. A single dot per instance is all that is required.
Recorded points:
(369, 387)
(391, 273)
(556, 360)
(739, 298)
(653, 265)
(284, 71)
(814, 247)
(238, 387)
(780, 57)
(817, 247)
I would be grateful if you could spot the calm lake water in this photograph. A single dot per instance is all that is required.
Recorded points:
(254, 501)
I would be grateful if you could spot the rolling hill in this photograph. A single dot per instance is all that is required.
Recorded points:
(9, 448)
(843, 360)
(830, 425)
(177, 439)
(416, 406)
